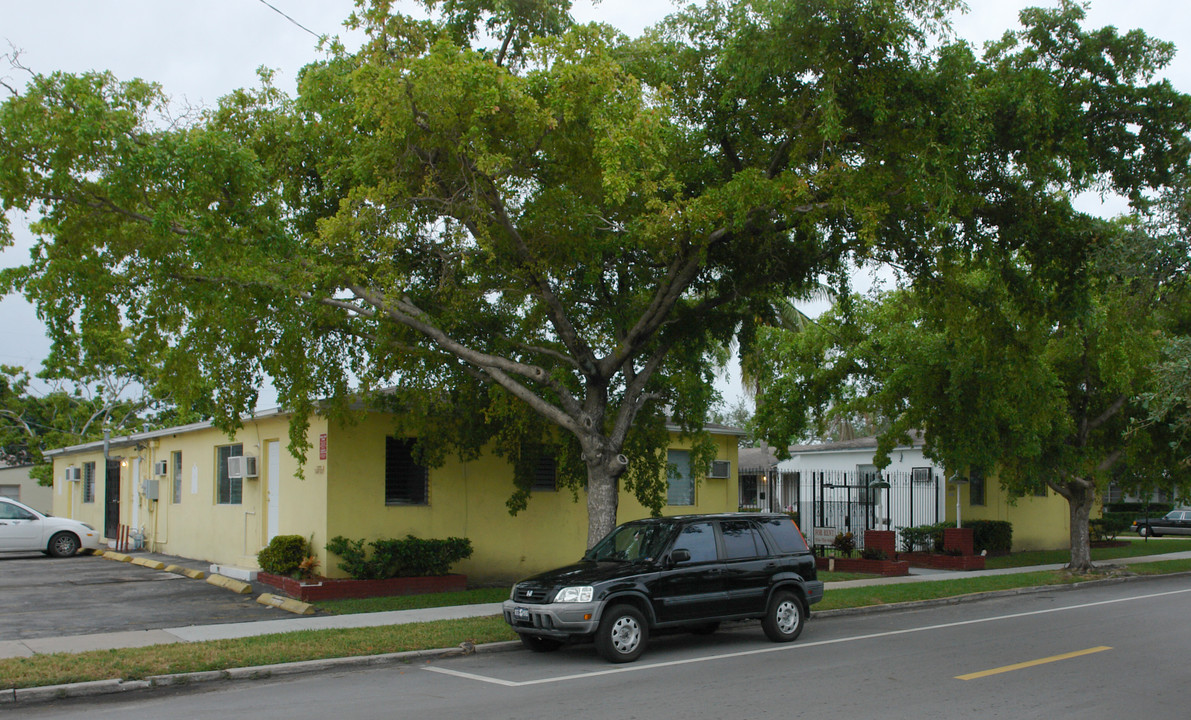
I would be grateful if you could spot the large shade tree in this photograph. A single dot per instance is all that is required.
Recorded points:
(1007, 375)
(538, 232)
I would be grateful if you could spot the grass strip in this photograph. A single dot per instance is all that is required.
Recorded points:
(1135, 548)
(139, 663)
(841, 598)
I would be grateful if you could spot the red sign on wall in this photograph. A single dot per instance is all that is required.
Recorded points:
(322, 446)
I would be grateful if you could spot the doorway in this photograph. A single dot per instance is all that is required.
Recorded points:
(111, 500)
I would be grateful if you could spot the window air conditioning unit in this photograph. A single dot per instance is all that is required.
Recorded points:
(161, 468)
(242, 467)
(720, 469)
(74, 474)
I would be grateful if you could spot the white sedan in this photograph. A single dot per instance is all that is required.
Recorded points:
(23, 529)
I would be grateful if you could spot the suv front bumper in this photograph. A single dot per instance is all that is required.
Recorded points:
(554, 620)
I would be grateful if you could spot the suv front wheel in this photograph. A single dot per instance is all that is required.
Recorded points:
(622, 635)
(783, 618)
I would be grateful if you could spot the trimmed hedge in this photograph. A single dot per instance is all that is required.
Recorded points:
(991, 535)
(283, 555)
(1108, 527)
(390, 558)
(924, 538)
(1155, 509)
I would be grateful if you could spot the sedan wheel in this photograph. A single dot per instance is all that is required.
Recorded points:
(63, 545)
(622, 634)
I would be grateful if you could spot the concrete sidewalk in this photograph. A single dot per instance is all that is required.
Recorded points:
(200, 633)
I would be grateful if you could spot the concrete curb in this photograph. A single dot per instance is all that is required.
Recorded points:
(28, 696)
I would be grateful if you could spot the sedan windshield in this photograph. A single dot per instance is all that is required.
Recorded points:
(632, 543)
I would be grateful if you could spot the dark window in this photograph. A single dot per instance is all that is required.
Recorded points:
(88, 482)
(921, 474)
(405, 479)
(976, 486)
(545, 474)
(699, 540)
(228, 490)
(176, 469)
(785, 533)
(741, 540)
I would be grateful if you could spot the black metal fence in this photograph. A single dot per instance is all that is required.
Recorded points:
(837, 501)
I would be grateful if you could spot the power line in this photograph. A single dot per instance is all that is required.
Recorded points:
(287, 17)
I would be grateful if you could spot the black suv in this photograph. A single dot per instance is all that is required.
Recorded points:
(687, 572)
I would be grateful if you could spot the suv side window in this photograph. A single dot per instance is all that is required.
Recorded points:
(741, 540)
(699, 540)
(785, 534)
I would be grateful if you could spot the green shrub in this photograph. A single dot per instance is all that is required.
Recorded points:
(844, 543)
(283, 555)
(994, 536)
(1108, 527)
(871, 553)
(924, 538)
(389, 558)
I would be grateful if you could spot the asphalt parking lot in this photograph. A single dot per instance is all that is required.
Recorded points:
(45, 597)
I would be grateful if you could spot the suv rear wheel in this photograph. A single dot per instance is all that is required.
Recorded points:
(783, 618)
(622, 635)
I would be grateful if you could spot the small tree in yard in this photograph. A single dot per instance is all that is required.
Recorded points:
(544, 242)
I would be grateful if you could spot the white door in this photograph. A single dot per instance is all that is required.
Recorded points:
(273, 487)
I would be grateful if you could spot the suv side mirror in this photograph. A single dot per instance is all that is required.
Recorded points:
(679, 555)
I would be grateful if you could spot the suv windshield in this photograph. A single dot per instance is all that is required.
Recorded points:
(633, 542)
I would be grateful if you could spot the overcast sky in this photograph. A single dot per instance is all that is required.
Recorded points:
(199, 51)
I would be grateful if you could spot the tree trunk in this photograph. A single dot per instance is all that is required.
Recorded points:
(1079, 503)
(603, 497)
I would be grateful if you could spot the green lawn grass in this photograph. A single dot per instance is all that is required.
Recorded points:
(1136, 548)
(412, 602)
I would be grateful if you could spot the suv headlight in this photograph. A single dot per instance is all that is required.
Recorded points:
(574, 594)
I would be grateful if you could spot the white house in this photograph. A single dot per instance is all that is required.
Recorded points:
(839, 489)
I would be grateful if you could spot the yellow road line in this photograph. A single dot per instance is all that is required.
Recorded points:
(1032, 663)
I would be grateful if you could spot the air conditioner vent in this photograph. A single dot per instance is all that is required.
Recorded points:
(242, 467)
(720, 469)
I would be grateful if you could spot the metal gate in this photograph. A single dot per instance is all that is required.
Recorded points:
(838, 501)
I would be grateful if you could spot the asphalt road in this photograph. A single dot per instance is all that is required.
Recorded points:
(48, 597)
(1111, 651)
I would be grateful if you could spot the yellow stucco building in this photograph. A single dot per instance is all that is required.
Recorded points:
(177, 490)
(1040, 522)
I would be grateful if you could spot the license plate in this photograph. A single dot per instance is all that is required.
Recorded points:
(520, 613)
